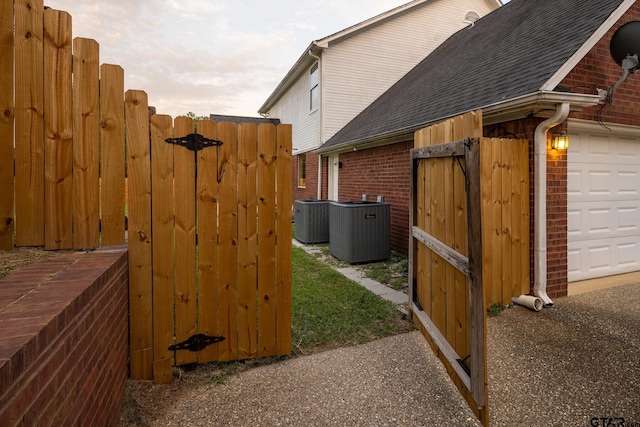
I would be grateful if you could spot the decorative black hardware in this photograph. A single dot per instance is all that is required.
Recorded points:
(463, 364)
(416, 299)
(196, 343)
(194, 142)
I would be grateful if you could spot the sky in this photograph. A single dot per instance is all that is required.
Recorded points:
(210, 56)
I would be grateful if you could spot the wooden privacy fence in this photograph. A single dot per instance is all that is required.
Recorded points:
(209, 227)
(209, 235)
(62, 125)
(470, 242)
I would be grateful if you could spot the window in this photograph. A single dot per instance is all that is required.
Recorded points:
(302, 170)
(314, 80)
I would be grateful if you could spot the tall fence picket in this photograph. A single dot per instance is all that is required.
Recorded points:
(266, 239)
(247, 246)
(207, 200)
(140, 257)
(112, 164)
(228, 240)
(58, 130)
(163, 248)
(6, 125)
(29, 122)
(86, 188)
(185, 181)
(284, 235)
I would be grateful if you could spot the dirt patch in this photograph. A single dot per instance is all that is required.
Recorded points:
(20, 257)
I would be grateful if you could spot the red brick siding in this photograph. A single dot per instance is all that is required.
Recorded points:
(556, 221)
(325, 178)
(310, 191)
(599, 70)
(381, 171)
(64, 340)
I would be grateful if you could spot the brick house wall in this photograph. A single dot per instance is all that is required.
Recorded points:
(64, 340)
(381, 171)
(598, 70)
(310, 190)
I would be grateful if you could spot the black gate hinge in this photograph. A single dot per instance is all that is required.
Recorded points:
(194, 142)
(196, 343)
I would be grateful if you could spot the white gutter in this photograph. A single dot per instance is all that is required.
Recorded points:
(540, 201)
(512, 109)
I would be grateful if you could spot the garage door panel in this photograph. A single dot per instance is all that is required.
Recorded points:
(604, 148)
(628, 219)
(603, 201)
(628, 183)
(586, 221)
(602, 182)
(628, 150)
(589, 259)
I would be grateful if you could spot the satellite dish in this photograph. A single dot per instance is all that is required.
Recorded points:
(625, 42)
(625, 50)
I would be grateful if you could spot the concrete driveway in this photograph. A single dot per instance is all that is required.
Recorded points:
(576, 364)
(570, 365)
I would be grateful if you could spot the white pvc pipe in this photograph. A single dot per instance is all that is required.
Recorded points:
(534, 303)
(540, 201)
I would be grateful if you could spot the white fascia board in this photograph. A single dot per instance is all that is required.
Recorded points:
(566, 68)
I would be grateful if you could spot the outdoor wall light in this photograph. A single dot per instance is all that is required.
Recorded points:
(560, 141)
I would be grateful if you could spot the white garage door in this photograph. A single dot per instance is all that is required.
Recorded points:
(603, 201)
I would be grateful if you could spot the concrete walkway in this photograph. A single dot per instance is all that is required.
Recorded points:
(357, 276)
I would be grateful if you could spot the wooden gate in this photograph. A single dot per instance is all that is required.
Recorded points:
(469, 242)
(209, 240)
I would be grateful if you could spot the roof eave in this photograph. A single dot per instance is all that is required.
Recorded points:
(540, 103)
(292, 75)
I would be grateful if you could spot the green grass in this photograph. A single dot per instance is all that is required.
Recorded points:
(329, 310)
(392, 272)
(495, 309)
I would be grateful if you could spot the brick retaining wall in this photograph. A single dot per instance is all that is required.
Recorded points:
(64, 340)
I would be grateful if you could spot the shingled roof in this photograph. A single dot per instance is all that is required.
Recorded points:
(512, 52)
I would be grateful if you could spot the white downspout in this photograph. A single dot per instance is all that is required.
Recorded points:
(540, 201)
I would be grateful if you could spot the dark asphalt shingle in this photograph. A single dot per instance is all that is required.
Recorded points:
(509, 53)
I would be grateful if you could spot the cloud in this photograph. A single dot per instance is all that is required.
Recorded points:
(209, 56)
